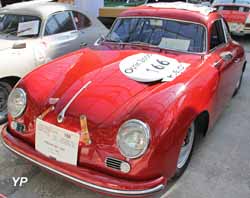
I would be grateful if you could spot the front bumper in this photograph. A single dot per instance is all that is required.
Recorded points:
(246, 31)
(90, 179)
(239, 29)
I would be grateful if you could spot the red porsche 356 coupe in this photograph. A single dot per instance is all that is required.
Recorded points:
(121, 117)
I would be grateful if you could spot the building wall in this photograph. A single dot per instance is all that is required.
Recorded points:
(90, 6)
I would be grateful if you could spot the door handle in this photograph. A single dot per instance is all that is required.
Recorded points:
(217, 64)
(83, 44)
(74, 32)
(237, 60)
(226, 56)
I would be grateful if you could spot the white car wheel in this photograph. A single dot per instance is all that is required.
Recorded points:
(186, 147)
(185, 151)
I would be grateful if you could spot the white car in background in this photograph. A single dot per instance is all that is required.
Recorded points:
(33, 33)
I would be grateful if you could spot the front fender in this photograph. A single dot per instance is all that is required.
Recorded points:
(169, 112)
(16, 62)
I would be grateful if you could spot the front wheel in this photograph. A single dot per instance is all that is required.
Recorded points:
(5, 89)
(185, 151)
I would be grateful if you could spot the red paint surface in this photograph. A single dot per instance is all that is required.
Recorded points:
(168, 108)
(234, 16)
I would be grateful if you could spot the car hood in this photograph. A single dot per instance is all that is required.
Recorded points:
(7, 42)
(108, 89)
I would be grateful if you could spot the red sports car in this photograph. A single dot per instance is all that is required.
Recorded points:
(121, 117)
(236, 13)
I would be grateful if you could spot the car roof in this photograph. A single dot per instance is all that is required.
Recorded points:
(37, 8)
(231, 4)
(177, 10)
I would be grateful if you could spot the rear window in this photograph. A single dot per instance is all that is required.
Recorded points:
(236, 8)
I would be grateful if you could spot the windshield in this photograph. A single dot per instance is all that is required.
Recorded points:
(10, 23)
(162, 33)
(231, 1)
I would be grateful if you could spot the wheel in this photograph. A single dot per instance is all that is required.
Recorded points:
(238, 85)
(5, 89)
(186, 151)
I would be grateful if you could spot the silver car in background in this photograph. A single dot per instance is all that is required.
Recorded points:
(33, 33)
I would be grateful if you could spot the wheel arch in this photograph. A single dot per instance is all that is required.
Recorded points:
(12, 80)
(244, 66)
(202, 122)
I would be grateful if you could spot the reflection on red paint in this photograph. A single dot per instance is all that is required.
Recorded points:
(2, 196)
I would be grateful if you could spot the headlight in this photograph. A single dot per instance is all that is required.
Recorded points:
(133, 138)
(17, 102)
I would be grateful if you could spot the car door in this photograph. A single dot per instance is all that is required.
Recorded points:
(225, 57)
(87, 33)
(60, 34)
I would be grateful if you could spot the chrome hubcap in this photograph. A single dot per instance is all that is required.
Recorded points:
(186, 147)
(238, 84)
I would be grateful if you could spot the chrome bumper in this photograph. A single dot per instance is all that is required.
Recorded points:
(90, 185)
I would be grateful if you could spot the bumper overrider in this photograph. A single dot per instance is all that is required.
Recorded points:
(87, 178)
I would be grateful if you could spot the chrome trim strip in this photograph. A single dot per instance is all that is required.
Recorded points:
(61, 115)
(90, 185)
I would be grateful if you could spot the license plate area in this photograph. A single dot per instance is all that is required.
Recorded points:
(56, 143)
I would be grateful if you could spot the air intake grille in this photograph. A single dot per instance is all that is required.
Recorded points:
(113, 163)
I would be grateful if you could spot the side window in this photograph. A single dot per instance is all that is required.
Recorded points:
(81, 20)
(58, 23)
(217, 35)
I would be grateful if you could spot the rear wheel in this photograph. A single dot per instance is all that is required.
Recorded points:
(5, 89)
(186, 151)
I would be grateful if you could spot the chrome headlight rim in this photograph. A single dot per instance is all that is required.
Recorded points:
(23, 93)
(147, 135)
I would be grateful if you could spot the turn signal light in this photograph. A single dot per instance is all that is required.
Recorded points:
(18, 126)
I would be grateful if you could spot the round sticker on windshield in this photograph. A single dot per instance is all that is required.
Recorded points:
(151, 67)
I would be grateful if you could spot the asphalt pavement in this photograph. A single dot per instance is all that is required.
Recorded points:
(220, 167)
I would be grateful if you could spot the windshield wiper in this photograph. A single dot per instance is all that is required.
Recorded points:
(138, 43)
(142, 43)
(113, 41)
(22, 31)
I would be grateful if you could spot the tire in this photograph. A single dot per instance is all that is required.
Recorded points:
(5, 89)
(186, 151)
(238, 85)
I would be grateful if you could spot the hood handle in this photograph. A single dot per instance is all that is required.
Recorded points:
(61, 115)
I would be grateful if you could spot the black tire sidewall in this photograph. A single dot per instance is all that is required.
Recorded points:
(237, 89)
(7, 89)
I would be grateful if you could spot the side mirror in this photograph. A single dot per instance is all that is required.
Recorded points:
(99, 40)
(21, 45)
